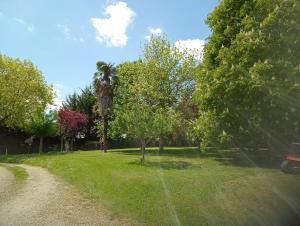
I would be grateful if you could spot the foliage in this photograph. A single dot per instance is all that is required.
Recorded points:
(44, 125)
(151, 90)
(248, 86)
(72, 124)
(170, 79)
(24, 93)
(84, 102)
(133, 115)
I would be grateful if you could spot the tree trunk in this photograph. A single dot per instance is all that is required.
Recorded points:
(67, 145)
(105, 129)
(71, 145)
(161, 143)
(271, 149)
(61, 143)
(199, 144)
(143, 146)
(41, 145)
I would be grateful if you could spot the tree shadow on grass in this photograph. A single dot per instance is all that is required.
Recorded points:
(258, 158)
(230, 157)
(166, 165)
(186, 152)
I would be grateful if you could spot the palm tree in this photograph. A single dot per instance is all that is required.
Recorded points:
(104, 88)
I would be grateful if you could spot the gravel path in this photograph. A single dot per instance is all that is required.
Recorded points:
(45, 200)
(6, 183)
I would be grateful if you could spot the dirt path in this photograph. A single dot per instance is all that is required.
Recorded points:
(6, 183)
(44, 200)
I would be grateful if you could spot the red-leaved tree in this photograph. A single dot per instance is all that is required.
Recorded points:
(71, 125)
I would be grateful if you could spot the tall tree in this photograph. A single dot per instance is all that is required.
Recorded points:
(104, 84)
(84, 102)
(23, 92)
(135, 113)
(249, 83)
(170, 77)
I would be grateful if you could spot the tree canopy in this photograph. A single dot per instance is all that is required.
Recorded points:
(43, 125)
(248, 85)
(72, 124)
(24, 92)
(150, 91)
(84, 102)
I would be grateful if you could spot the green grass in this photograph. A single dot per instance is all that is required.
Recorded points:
(180, 186)
(19, 173)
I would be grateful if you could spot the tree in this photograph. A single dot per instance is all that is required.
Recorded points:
(150, 90)
(84, 102)
(72, 124)
(248, 85)
(185, 129)
(42, 126)
(24, 92)
(132, 116)
(169, 80)
(135, 113)
(104, 83)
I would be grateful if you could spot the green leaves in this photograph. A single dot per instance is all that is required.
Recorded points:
(23, 92)
(250, 67)
(43, 125)
(151, 90)
(84, 102)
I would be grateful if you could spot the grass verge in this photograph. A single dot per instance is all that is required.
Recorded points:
(19, 173)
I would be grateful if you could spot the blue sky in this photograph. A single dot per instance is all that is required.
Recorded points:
(65, 38)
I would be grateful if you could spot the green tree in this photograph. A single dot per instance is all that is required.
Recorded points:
(43, 125)
(135, 115)
(24, 92)
(71, 102)
(248, 86)
(84, 102)
(104, 84)
(169, 80)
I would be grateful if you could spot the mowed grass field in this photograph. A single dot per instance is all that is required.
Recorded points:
(180, 186)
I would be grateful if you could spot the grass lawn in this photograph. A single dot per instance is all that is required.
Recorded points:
(180, 186)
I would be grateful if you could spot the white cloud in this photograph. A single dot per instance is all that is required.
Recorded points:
(29, 27)
(65, 30)
(58, 90)
(154, 31)
(193, 46)
(57, 104)
(112, 30)
(67, 33)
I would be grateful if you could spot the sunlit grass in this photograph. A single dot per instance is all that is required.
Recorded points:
(180, 186)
